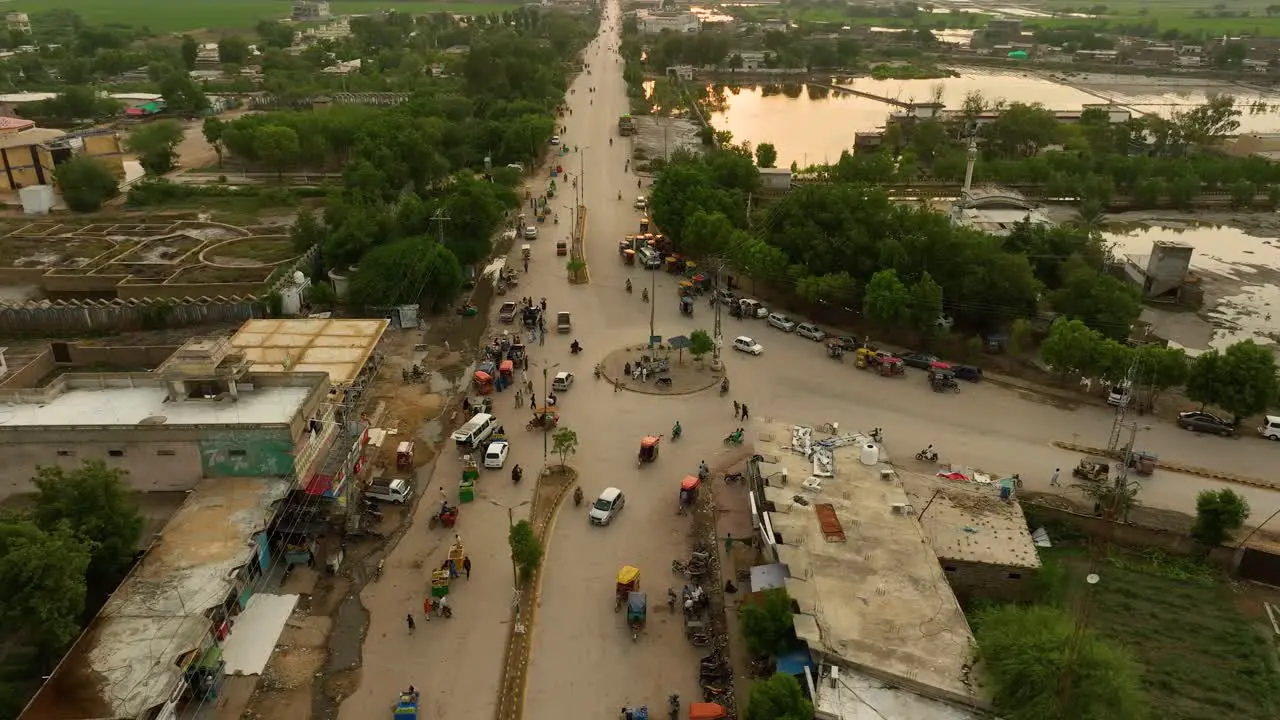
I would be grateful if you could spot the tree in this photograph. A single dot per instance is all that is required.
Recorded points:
(274, 34)
(1069, 347)
(766, 155)
(768, 623)
(181, 94)
(412, 270)
(1105, 304)
(1041, 667)
(700, 343)
(156, 144)
(42, 583)
(1163, 368)
(233, 49)
(94, 500)
(190, 49)
(278, 146)
(564, 442)
(1242, 380)
(1218, 514)
(706, 233)
(213, 129)
(526, 549)
(86, 183)
(778, 698)
(925, 305)
(886, 301)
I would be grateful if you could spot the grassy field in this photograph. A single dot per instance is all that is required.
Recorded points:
(226, 14)
(1205, 646)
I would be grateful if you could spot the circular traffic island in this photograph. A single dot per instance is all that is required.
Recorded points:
(671, 371)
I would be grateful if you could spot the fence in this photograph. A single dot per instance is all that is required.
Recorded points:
(77, 317)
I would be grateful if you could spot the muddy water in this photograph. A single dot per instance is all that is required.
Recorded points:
(1239, 272)
(809, 125)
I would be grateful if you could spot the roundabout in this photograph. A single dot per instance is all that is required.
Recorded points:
(683, 375)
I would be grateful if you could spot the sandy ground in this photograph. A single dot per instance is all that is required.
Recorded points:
(584, 662)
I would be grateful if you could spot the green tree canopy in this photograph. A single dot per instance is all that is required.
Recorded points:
(42, 582)
(416, 269)
(778, 698)
(1035, 673)
(887, 301)
(526, 550)
(700, 343)
(1218, 514)
(278, 146)
(85, 183)
(94, 500)
(1105, 304)
(768, 623)
(156, 145)
(564, 442)
(766, 155)
(1241, 380)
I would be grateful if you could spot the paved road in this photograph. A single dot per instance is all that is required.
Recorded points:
(585, 664)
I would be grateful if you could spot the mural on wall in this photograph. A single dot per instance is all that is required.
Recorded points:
(247, 453)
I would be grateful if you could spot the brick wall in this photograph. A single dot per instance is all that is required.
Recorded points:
(993, 582)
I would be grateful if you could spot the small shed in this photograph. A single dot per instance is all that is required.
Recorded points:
(776, 179)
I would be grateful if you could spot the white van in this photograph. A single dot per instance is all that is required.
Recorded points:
(477, 430)
(649, 258)
(1118, 394)
(390, 490)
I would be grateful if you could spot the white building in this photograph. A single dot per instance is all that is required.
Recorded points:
(18, 22)
(652, 23)
(309, 11)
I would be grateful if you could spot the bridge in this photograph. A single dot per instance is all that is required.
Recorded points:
(860, 93)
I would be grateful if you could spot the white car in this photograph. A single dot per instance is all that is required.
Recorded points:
(495, 456)
(555, 139)
(811, 331)
(607, 506)
(752, 308)
(531, 232)
(641, 203)
(742, 343)
(782, 322)
(562, 381)
(1271, 428)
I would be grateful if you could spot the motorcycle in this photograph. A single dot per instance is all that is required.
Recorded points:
(927, 455)
(516, 474)
(577, 496)
(876, 435)
(628, 284)
(703, 471)
(734, 438)
(598, 372)
(724, 386)
(673, 709)
(675, 431)
(733, 478)
(575, 348)
(671, 599)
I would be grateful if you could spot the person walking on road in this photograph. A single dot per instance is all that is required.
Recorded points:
(466, 566)
(736, 409)
(426, 607)
(744, 411)
(409, 619)
(1053, 480)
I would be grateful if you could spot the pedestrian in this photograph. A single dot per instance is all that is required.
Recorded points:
(409, 619)
(426, 609)
(544, 305)
(446, 346)
(735, 409)
(442, 607)
(744, 411)
(519, 399)
(1054, 479)
(466, 566)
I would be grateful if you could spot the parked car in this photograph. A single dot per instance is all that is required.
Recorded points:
(607, 506)
(1271, 428)
(495, 456)
(507, 313)
(919, 360)
(642, 203)
(782, 322)
(752, 308)
(972, 373)
(531, 232)
(742, 343)
(724, 297)
(1204, 422)
(811, 331)
(555, 139)
(846, 343)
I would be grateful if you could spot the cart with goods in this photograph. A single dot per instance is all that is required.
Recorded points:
(467, 485)
(1143, 462)
(406, 706)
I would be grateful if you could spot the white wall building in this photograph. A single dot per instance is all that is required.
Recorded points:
(652, 23)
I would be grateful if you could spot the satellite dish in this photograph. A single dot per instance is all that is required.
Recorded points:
(1092, 578)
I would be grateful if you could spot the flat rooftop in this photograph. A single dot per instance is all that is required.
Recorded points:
(871, 592)
(859, 696)
(127, 406)
(132, 655)
(968, 521)
(338, 347)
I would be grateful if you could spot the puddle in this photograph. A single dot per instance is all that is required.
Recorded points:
(345, 640)
(1240, 274)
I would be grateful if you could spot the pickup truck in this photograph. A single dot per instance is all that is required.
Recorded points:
(507, 313)
(563, 323)
(391, 490)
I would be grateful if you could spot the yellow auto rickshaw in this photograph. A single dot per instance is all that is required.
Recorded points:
(685, 288)
(862, 357)
(628, 581)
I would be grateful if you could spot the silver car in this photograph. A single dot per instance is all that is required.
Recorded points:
(811, 331)
(782, 322)
(607, 506)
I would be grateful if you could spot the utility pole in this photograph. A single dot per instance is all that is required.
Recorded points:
(1130, 386)
(716, 265)
(653, 289)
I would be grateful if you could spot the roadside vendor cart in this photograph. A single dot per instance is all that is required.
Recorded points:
(406, 706)
(629, 256)
(457, 558)
(467, 485)
(404, 455)
(440, 582)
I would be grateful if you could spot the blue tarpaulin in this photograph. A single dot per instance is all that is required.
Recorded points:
(794, 662)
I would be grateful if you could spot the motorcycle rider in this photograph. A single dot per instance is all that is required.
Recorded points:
(516, 474)
(703, 470)
(575, 347)
(724, 386)
(675, 431)
(628, 284)
(644, 294)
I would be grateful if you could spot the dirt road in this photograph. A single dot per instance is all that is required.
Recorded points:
(585, 664)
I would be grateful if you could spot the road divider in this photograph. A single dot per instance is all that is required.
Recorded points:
(1176, 467)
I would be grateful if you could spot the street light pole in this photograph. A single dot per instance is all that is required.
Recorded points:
(653, 302)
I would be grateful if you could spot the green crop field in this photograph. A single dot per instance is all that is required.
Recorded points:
(1178, 15)
(187, 15)
(1202, 657)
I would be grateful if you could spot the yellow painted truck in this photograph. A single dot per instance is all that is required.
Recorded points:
(626, 125)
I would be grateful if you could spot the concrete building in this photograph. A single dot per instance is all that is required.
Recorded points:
(201, 414)
(1163, 272)
(309, 11)
(652, 23)
(751, 59)
(157, 641)
(859, 566)
(996, 211)
(775, 179)
(981, 541)
(28, 156)
(18, 22)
